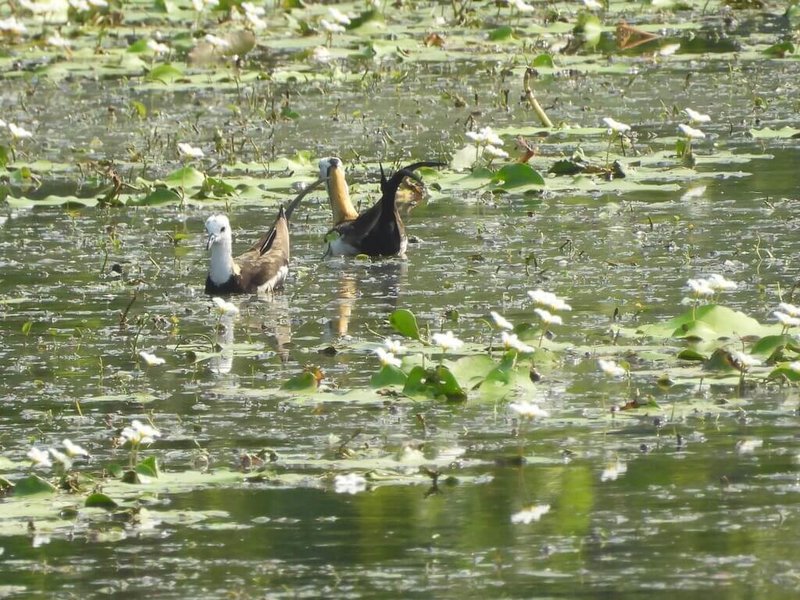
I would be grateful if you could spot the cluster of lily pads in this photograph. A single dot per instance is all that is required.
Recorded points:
(718, 338)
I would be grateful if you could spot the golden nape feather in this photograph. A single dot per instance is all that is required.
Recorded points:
(379, 230)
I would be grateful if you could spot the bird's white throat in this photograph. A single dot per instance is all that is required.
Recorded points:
(222, 267)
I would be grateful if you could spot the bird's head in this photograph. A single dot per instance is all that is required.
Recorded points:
(219, 230)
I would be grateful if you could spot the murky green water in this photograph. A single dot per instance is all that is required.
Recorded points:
(699, 500)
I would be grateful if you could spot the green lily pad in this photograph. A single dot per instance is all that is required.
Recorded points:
(389, 375)
(517, 175)
(31, 485)
(99, 500)
(437, 382)
(405, 323)
(185, 177)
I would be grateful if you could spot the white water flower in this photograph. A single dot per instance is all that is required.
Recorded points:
(494, 151)
(700, 287)
(19, 133)
(669, 49)
(521, 6)
(12, 26)
(224, 307)
(794, 366)
(786, 320)
(216, 41)
(718, 283)
(394, 346)
(43, 7)
(609, 367)
(250, 8)
(696, 117)
(531, 514)
(338, 16)
(615, 126)
(39, 458)
(331, 27)
(501, 321)
(512, 342)
(485, 136)
(74, 449)
(743, 361)
(139, 433)
(256, 22)
(157, 47)
(65, 460)
(200, 5)
(613, 471)
(321, 55)
(548, 299)
(690, 132)
(56, 41)
(352, 483)
(593, 5)
(387, 358)
(447, 341)
(190, 151)
(151, 360)
(789, 309)
(547, 317)
(528, 410)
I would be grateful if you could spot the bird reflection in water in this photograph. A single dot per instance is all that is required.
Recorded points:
(375, 286)
(262, 315)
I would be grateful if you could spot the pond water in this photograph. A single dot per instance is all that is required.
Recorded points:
(629, 487)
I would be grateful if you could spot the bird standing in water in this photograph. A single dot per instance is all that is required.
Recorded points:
(379, 230)
(263, 267)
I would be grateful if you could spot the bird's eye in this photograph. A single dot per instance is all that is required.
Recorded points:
(223, 229)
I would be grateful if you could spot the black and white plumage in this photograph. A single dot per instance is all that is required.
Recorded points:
(262, 268)
(379, 230)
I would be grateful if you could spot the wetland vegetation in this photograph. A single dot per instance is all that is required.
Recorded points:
(581, 381)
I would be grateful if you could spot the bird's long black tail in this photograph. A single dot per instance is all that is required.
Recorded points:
(390, 186)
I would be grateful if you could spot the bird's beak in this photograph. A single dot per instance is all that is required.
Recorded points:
(212, 239)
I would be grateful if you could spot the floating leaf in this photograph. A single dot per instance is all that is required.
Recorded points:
(160, 195)
(517, 175)
(438, 382)
(771, 347)
(389, 375)
(780, 50)
(692, 354)
(99, 500)
(768, 133)
(304, 382)
(185, 177)
(33, 484)
(501, 34)
(164, 73)
(404, 323)
(784, 372)
(138, 46)
(148, 467)
(543, 60)
(707, 322)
